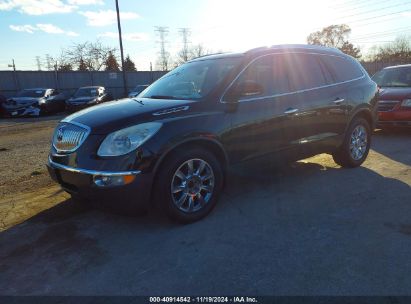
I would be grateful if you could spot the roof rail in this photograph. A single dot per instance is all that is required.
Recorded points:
(218, 53)
(294, 46)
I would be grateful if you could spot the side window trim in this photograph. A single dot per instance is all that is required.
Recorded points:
(289, 93)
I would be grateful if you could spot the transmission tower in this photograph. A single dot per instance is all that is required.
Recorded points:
(38, 63)
(162, 32)
(185, 34)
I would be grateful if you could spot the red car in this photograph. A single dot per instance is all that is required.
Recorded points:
(394, 105)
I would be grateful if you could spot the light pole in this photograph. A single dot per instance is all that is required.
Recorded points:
(121, 49)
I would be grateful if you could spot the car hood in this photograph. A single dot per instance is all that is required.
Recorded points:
(387, 93)
(80, 99)
(115, 115)
(22, 101)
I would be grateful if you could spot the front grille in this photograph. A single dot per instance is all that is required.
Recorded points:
(68, 137)
(386, 105)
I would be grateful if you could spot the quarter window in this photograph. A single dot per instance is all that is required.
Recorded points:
(342, 69)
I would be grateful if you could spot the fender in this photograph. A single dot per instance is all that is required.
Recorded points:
(362, 108)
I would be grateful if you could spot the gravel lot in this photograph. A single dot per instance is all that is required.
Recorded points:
(308, 228)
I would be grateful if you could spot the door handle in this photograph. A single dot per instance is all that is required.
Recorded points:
(290, 111)
(338, 101)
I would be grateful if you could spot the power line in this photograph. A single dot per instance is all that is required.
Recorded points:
(374, 10)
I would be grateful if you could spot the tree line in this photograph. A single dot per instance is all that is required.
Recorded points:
(88, 56)
(398, 51)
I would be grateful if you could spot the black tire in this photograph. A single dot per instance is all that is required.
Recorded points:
(163, 187)
(343, 156)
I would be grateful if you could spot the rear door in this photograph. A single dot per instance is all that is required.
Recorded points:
(319, 106)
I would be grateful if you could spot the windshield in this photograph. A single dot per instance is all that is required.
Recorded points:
(140, 88)
(192, 80)
(86, 92)
(393, 77)
(31, 93)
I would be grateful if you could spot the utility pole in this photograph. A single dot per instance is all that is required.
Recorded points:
(121, 49)
(162, 34)
(38, 63)
(185, 33)
(16, 81)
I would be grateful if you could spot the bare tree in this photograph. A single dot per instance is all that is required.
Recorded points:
(335, 36)
(92, 55)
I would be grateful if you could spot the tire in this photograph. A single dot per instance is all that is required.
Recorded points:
(196, 193)
(350, 157)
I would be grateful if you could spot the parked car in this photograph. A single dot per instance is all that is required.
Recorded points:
(394, 105)
(3, 99)
(137, 90)
(87, 97)
(34, 102)
(173, 143)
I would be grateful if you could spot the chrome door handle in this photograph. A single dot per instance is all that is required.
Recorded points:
(290, 111)
(338, 101)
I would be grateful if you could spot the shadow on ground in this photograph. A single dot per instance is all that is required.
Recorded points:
(393, 142)
(303, 229)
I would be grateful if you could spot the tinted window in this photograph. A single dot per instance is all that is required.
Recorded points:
(304, 71)
(31, 93)
(393, 77)
(86, 92)
(261, 72)
(342, 69)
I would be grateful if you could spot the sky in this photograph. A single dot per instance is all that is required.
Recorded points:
(30, 28)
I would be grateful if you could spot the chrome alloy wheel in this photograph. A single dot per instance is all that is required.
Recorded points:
(192, 185)
(358, 142)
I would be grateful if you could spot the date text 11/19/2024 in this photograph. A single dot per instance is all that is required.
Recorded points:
(203, 300)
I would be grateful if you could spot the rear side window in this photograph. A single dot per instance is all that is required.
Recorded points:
(304, 71)
(342, 68)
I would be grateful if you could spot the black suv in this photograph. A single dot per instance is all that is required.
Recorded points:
(173, 143)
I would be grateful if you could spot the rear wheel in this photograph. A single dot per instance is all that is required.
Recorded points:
(356, 145)
(188, 184)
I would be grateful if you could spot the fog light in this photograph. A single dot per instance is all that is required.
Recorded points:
(109, 181)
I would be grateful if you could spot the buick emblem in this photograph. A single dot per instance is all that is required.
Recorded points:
(60, 133)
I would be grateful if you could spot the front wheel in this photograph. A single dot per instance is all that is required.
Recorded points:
(356, 145)
(188, 184)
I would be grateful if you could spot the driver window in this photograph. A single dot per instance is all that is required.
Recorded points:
(261, 73)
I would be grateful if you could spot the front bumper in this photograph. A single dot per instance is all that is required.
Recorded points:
(82, 182)
(21, 111)
(394, 118)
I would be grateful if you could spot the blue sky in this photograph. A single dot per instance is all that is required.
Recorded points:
(31, 28)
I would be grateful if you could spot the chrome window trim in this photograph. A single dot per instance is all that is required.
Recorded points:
(91, 172)
(289, 93)
(88, 131)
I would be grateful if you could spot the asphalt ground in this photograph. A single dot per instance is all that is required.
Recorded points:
(307, 228)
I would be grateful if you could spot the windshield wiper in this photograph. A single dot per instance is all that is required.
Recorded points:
(138, 100)
(162, 97)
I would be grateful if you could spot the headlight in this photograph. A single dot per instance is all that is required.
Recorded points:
(126, 140)
(42, 101)
(406, 103)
